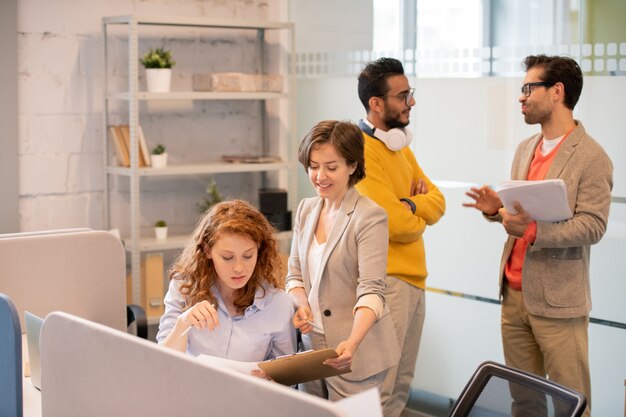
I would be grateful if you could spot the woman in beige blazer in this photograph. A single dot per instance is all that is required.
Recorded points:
(336, 274)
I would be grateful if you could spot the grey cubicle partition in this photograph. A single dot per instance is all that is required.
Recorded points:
(92, 370)
(46, 232)
(79, 271)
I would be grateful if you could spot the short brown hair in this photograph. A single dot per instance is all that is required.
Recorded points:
(347, 139)
(559, 69)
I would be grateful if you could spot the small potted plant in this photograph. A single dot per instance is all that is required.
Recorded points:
(213, 196)
(158, 64)
(158, 158)
(160, 230)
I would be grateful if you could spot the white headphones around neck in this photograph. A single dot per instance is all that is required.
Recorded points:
(395, 139)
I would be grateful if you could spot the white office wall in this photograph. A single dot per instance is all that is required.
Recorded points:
(333, 98)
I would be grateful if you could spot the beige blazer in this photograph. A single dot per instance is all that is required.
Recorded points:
(555, 275)
(353, 264)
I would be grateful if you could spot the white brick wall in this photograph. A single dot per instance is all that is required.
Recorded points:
(60, 85)
(43, 212)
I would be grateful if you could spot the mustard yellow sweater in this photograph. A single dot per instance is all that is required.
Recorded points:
(389, 175)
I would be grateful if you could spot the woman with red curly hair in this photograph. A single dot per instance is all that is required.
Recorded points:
(223, 299)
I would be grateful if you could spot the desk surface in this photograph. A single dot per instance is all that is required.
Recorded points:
(31, 395)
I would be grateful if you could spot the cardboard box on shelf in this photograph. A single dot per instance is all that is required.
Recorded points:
(237, 82)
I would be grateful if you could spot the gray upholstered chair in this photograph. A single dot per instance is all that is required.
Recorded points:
(10, 359)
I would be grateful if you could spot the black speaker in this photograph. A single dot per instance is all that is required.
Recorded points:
(281, 221)
(273, 205)
(273, 200)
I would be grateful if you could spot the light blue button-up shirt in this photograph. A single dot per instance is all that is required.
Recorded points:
(263, 332)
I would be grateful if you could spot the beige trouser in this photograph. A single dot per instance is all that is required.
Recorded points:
(407, 305)
(556, 348)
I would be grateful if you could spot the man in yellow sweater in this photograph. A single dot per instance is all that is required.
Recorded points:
(395, 181)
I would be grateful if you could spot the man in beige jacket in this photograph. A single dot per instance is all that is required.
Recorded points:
(544, 272)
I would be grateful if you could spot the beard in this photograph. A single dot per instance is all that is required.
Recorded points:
(395, 123)
(534, 118)
(529, 119)
(538, 113)
(392, 119)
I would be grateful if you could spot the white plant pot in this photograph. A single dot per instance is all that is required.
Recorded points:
(158, 79)
(159, 161)
(161, 233)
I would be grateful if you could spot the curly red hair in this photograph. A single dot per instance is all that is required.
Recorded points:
(197, 271)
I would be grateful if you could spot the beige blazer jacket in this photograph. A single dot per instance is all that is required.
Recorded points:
(353, 264)
(555, 275)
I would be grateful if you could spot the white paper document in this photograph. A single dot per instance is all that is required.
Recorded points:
(366, 403)
(545, 200)
(239, 366)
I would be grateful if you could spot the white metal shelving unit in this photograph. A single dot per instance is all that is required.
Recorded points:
(135, 243)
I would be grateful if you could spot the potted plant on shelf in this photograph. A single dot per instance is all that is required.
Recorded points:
(158, 64)
(160, 230)
(158, 158)
(212, 197)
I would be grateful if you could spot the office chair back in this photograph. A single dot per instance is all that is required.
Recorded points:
(10, 359)
(497, 390)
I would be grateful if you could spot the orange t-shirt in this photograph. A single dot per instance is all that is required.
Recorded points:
(537, 171)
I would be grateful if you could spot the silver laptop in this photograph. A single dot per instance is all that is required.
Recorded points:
(33, 331)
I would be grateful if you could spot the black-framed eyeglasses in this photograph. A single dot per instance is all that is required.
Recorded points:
(406, 96)
(526, 88)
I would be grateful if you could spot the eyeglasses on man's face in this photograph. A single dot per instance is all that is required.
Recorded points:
(527, 88)
(406, 96)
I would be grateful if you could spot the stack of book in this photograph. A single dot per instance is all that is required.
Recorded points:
(120, 137)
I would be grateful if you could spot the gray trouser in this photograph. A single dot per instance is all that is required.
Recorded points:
(407, 305)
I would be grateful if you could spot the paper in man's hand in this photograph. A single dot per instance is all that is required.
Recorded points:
(544, 201)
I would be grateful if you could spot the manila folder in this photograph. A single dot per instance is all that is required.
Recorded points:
(545, 200)
(301, 367)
